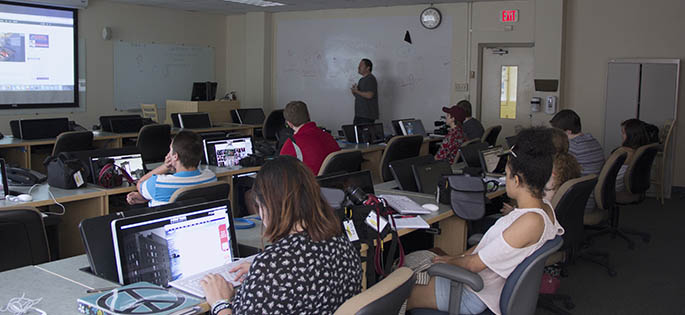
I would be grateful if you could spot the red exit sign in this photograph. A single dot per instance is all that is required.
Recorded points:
(509, 16)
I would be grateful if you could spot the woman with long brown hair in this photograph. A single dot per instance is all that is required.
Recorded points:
(310, 268)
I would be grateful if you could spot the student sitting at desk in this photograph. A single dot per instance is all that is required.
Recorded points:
(634, 133)
(472, 127)
(513, 237)
(311, 144)
(310, 268)
(455, 136)
(157, 186)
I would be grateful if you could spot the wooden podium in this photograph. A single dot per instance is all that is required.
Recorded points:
(219, 111)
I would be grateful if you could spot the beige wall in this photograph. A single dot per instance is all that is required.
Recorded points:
(598, 31)
(131, 23)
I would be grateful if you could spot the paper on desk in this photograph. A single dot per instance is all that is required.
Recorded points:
(404, 204)
(411, 223)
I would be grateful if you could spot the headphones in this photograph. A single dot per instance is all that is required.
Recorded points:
(111, 176)
(491, 185)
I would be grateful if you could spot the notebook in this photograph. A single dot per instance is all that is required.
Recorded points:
(227, 151)
(412, 127)
(493, 162)
(131, 163)
(168, 246)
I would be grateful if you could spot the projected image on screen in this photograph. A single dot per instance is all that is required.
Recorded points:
(37, 57)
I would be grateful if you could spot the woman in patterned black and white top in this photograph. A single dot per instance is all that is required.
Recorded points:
(311, 268)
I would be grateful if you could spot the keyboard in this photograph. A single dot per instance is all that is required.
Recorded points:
(191, 284)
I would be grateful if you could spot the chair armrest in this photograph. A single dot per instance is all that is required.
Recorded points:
(458, 274)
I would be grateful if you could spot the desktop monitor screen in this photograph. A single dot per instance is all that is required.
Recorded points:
(349, 181)
(227, 152)
(165, 246)
(412, 127)
(203, 91)
(131, 163)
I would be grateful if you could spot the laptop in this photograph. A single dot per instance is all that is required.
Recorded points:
(471, 153)
(227, 151)
(493, 162)
(194, 120)
(105, 121)
(396, 126)
(3, 181)
(370, 133)
(350, 133)
(132, 163)
(126, 125)
(412, 127)
(249, 116)
(402, 172)
(427, 175)
(96, 235)
(347, 182)
(167, 247)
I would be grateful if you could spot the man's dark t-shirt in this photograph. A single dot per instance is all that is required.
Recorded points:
(366, 108)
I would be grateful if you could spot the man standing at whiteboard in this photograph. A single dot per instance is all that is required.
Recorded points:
(365, 95)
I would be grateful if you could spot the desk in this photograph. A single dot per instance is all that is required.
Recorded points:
(31, 153)
(59, 283)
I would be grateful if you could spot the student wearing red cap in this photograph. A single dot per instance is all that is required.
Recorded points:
(455, 137)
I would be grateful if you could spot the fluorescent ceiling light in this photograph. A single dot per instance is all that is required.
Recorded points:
(258, 3)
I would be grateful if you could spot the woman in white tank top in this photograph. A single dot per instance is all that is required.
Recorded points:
(511, 239)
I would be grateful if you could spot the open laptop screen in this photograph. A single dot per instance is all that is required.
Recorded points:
(490, 160)
(169, 245)
(412, 127)
(227, 152)
(194, 120)
(251, 116)
(132, 163)
(370, 133)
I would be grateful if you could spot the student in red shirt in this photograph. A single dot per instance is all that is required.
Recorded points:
(455, 136)
(312, 144)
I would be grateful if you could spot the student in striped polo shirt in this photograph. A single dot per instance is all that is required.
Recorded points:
(178, 170)
(583, 146)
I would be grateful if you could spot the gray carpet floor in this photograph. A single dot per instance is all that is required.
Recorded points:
(651, 277)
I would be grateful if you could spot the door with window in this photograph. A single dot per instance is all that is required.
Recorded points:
(506, 89)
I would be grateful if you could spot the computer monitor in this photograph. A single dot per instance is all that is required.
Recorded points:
(131, 163)
(348, 181)
(248, 116)
(106, 125)
(194, 120)
(370, 133)
(169, 245)
(428, 175)
(203, 91)
(396, 126)
(227, 152)
(492, 161)
(412, 127)
(126, 125)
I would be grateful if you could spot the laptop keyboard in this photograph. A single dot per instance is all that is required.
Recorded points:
(191, 284)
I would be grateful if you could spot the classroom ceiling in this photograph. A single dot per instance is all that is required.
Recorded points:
(225, 7)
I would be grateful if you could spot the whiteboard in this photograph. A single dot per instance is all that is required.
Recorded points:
(316, 62)
(152, 73)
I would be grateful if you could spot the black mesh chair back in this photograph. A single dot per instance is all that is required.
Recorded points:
(73, 141)
(342, 161)
(273, 124)
(605, 190)
(398, 148)
(639, 172)
(22, 239)
(153, 142)
(490, 135)
(569, 205)
(207, 192)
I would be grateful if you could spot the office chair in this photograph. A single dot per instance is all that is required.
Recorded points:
(403, 174)
(637, 181)
(569, 206)
(490, 135)
(399, 147)
(150, 111)
(208, 191)
(22, 238)
(273, 124)
(459, 158)
(605, 195)
(73, 141)
(662, 158)
(385, 297)
(153, 142)
(521, 289)
(342, 161)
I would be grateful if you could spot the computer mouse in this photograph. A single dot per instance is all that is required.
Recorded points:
(430, 206)
(25, 197)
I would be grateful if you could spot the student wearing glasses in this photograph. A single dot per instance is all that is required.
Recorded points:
(511, 239)
(310, 268)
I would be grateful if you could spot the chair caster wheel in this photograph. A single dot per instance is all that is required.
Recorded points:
(569, 305)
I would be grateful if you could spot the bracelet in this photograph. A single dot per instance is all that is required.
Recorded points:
(220, 305)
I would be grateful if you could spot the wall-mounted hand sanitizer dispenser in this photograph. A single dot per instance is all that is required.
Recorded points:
(551, 105)
(535, 104)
